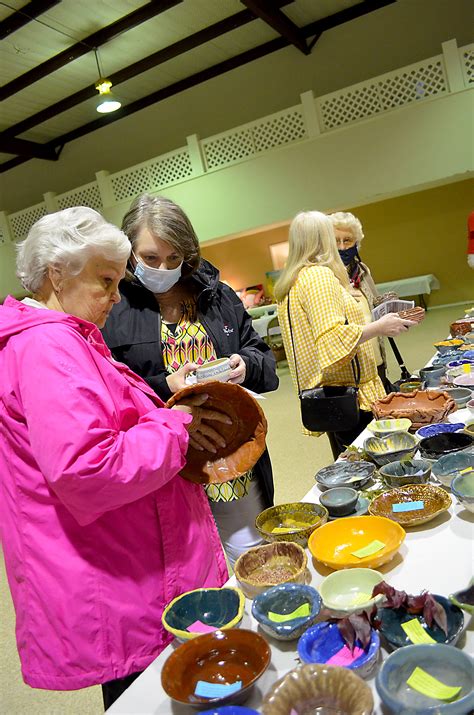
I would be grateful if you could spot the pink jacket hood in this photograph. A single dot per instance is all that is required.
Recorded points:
(99, 530)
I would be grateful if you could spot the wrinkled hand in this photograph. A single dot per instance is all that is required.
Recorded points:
(201, 435)
(239, 369)
(391, 325)
(177, 380)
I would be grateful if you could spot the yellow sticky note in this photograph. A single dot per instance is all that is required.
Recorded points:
(425, 684)
(299, 612)
(370, 549)
(467, 470)
(466, 367)
(416, 633)
(284, 530)
(360, 598)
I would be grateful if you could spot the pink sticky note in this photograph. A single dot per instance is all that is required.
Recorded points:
(200, 627)
(344, 656)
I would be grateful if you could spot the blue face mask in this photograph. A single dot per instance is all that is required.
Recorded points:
(157, 280)
(348, 255)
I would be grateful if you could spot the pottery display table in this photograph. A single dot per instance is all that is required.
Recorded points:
(261, 316)
(437, 556)
(416, 285)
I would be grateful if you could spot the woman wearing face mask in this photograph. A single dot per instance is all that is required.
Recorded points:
(174, 315)
(349, 235)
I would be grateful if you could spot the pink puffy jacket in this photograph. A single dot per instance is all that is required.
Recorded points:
(99, 532)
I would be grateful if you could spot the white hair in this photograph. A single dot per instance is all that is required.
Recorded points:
(346, 220)
(67, 240)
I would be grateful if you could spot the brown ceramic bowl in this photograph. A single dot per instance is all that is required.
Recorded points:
(435, 501)
(221, 657)
(269, 565)
(244, 437)
(422, 407)
(319, 690)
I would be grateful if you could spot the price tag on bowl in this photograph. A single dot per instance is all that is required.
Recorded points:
(204, 689)
(416, 633)
(424, 683)
(299, 612)
(370, 549)
(408, 506)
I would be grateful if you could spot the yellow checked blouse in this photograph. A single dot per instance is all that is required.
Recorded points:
(324, 344)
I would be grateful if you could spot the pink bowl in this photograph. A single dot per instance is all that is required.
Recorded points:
(466, 380)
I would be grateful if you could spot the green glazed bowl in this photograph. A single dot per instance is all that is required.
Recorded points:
(396, 446)
(350, 590)
(465, 598)
(291, 522)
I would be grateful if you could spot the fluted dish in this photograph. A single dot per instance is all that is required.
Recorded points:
(391, 448)
(319, 689)
(422, 407)
(269, 565)
(434, 500)
(291, 522)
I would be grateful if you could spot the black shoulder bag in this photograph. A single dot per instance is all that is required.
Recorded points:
(330, 408)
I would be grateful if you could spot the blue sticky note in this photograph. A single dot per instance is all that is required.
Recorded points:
(408, 506)
(204, 689)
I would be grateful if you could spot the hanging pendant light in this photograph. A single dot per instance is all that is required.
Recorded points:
(108, 102)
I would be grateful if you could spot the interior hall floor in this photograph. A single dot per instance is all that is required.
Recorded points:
(295, 459)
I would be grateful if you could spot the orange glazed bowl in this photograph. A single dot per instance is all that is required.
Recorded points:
(334, 543)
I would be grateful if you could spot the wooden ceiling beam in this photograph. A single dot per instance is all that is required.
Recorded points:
(88, 44)
(273, 16)
(28, 149)
(26, 14)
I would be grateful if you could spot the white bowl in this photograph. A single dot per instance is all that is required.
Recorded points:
(214, 370)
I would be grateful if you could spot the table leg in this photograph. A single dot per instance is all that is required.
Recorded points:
(421, 298)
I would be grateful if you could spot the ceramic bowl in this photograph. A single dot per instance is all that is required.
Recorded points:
(466, 380)
(469, 428)
(464, 369)
(284, 600)
(382, 428)
(470, 406)
(339, 501)
(217, 608)
(334, 543)
(361, 507)
(449, 466)
(230, 710)
(410, 471)
(469, 337)
(323, 642)
(460, 327)
(345, 474)
(423, 407)
(432, 430)
(222, 657)
(215, 370)
(244, 435)
(458, 363)
(462, 487)
(328, 690)
(350, 590)
(434, 502)
(464, 598)
(432, 375)
(445, 443)
(392, 448)
(411, 386)
(391, 620)
(444, 662)
(448, 356)
(291, 522)
(269, 565)
(460, 395)
(445, 346)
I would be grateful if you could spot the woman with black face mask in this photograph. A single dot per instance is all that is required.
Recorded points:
(349, 235)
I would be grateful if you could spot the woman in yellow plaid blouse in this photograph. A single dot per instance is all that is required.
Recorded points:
(328, 324)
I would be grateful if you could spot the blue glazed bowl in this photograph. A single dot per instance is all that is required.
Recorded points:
(322, 641)
(285, 599)
(345, 474)
(392, 619)
(444, 662)
(449, 466)
(457, 363)
(462, 487)
(219, 608)
(432, 430)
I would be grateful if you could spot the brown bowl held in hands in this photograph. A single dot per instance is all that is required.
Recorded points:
(422, 407)
(269, 565)
(428, 500)
(323, 689)
(244, 437)
(225, 664)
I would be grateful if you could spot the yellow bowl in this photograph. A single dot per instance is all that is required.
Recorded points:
(334, 543)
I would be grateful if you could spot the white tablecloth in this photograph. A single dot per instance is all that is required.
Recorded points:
(416, 285)
(437, 556)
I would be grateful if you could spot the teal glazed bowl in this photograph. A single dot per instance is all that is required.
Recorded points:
(447, 664)
(449, 466)
(410, 471)
(284, 600)
(291, 522)
(345, 474)
(202, 610)
(393, 618)
(339, 501)
(392, 448)
(462, 487)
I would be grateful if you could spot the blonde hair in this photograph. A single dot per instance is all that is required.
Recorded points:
(346, 220)
(312, 243)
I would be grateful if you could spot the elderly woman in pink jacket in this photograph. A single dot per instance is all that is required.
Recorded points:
(99, 531)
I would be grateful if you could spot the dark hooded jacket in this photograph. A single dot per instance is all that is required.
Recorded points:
(133, 333)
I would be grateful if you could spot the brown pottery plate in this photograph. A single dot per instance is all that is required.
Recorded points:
(435, 501)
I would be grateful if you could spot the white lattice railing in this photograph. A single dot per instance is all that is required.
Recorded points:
(152, 175)
(255, 137)
(415, 83)
(87, 195)
(22, 221)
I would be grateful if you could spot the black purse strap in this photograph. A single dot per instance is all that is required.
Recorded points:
(355, 359)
